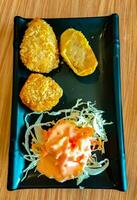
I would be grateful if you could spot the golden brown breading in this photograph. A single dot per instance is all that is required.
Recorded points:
(77, 53)
(40, 93)
(39, 49)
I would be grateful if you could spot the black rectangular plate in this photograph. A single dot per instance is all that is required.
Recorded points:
(103, 86)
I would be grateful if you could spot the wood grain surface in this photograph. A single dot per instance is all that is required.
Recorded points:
(127, 10)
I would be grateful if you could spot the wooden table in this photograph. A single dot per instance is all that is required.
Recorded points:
(127, 10)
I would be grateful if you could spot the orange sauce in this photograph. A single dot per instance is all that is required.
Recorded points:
(65, 150)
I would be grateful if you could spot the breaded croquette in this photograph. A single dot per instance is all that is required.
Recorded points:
(39, 48)
(40, 93)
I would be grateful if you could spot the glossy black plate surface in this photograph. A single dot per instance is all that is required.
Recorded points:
(103, 86)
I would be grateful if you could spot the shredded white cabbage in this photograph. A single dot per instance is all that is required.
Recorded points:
(84, 114)
(93, 170)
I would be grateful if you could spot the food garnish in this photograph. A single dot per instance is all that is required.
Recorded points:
(66, 148)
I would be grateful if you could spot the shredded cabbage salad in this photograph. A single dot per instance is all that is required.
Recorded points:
(84, 114)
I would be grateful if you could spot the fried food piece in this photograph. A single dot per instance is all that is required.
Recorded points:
(40, 93)
(39, 49)
(77, 52)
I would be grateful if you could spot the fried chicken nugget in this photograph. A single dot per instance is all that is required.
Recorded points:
(77, 53)
(40, 93)
(39, 48)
